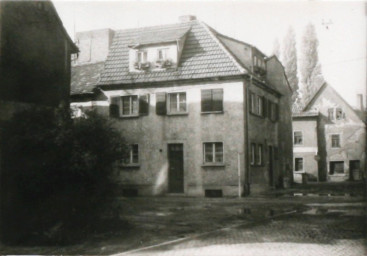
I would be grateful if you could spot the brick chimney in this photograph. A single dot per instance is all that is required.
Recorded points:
(360, 102)
(186, 18)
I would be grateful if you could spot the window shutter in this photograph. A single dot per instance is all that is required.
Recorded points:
(217, 104)
(161, 108)
(115, 107)
(144, 104)
(251, 103)
(276, 112)
(206, 100)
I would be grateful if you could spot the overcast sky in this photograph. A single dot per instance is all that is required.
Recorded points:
(342, 43)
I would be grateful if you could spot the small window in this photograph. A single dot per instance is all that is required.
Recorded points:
(142, 56)
(331, 114)
(260, 104)
(253, 103)
(132, 155)
(336, 167)
(162, 54)
(213, 152)
(212, 100)
(130, 105)
(298, 138)
(339, 115)
(177, 102)
(274, 109)
(259, 156)
(298, 164)
(335, 141)
(253, 153)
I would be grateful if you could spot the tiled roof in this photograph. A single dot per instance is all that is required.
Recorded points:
(85, 77)
(152, 37)
(203, 56)
(306, 114)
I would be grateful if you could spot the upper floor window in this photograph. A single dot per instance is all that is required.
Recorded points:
(335, 114)
(259, 156)
(142, 56)
(273, 111)
(260, 106)
(297, 138)
(177, 102)
(130, 105)
(335, 141)
(212, 100)
(213, 152)
(162, 54)
(253, 153)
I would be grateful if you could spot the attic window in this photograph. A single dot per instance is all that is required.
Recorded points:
(141, 56)
(162, 54)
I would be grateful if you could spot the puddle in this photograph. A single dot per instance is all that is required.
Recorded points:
(322, 194)
(326, 211)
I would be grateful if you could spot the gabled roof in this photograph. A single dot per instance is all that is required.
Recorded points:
(85, 77)
(203, 56)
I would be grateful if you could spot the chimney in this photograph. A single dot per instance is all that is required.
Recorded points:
(186, 18)
(360, 102)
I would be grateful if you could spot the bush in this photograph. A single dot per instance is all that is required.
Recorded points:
(58, 174)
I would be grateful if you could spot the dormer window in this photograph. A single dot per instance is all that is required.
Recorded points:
(162, 54)
(142, 56)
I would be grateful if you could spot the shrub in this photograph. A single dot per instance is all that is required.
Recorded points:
(58, 178)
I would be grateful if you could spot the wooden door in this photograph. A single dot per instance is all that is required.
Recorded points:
(175, 168)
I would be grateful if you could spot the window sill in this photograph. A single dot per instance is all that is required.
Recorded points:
(299, 172)
(178, 114)
(129, 116)
(212, 112)
(337, 175)
(213, 165)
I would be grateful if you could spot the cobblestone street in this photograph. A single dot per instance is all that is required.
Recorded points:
(314, 232)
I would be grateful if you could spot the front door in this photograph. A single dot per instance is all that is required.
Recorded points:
(175, 168)
(271, 174)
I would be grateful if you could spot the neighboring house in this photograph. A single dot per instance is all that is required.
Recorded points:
(35, 53)
(204, 114)
(329, 139)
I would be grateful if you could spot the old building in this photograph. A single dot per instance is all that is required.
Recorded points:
(204, 114)
(329, 139)
(35, 53)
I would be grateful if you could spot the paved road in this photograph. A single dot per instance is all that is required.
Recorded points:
(317, 232)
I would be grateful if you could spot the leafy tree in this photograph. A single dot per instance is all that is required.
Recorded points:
(289, 60)
(59, 173)
(311, 75)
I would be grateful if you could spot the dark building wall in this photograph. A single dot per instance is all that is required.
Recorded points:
(276, 77)
(35, 54)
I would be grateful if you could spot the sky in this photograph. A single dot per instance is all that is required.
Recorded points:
(341, 27)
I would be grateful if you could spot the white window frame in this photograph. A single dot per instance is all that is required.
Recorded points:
(260, 104)
(253, 153)
(331, 140)
(213, 152)
(303, 165)
(164, 54)
(130, 156)
(131, 110)
(140, 55)
(294, 138)
(177, 111)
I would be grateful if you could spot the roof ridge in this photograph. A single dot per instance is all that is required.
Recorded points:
(226, 51)
(165, 26)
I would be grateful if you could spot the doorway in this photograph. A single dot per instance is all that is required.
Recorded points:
(175, 168)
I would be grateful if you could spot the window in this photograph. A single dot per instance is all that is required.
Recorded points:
(336, 167)
(129, 105)
(253, 153)
(335, 141)
(274, 109)
(339, 114)
(213, 152)
(330, 114)
(259, 155)
(162, 54)
(132, 155)
(177, 102)
(253, 103)
(297, 138)
(142, 56)
(260, 104)
(212, 100)
(298, 164)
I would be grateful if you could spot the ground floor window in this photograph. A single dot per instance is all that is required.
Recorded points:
(132, 155)
(213, 152)
(298, 164)
(336, 167)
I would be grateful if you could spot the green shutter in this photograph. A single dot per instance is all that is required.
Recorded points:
(115, 107)
(161, 108)
(144, 104)
(217, 104)
(206, 100)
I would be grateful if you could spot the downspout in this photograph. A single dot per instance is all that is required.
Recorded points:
(247, 143)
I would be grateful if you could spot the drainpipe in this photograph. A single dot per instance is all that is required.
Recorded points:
(247, 144)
